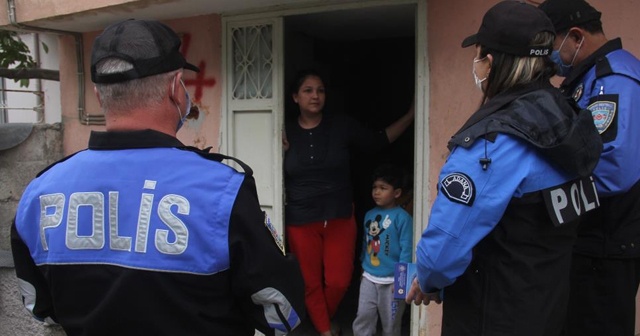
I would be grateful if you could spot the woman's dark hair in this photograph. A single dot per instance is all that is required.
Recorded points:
(300, 78)
(508, 71)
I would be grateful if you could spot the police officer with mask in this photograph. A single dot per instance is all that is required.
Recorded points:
(140, 234)
(497, 249)
(604, 78)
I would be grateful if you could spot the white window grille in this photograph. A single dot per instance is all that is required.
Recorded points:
(252, 57)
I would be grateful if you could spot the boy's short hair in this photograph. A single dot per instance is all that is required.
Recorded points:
(391, 174)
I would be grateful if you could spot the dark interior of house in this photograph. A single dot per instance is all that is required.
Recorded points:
(369, 73)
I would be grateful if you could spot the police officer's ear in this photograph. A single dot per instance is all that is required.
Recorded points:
(575, 35)
(174, 89)
(490, 61)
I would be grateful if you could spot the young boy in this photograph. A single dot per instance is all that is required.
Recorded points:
(388, 239)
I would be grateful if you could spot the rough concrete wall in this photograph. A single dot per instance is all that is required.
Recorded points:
(15, 320)
(18, 166)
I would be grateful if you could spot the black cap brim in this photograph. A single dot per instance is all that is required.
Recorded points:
(191, 67)
(469, 41)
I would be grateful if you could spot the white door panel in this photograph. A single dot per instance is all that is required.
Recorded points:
(253, 108)
(256, 150)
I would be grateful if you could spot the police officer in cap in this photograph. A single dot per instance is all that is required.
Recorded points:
(604, 78)
(497, 249)
(140, 234)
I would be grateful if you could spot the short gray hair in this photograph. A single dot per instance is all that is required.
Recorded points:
(135, 93)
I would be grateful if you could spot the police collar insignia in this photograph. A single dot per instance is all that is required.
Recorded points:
(603, 113)
(459, 188)
(577, 93)
(274, 233)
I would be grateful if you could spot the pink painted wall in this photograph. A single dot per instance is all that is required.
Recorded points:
(202, 46)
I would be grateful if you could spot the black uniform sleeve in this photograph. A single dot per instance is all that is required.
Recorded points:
(33, 287)
(268, 284)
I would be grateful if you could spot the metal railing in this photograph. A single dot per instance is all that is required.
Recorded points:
(38, 108)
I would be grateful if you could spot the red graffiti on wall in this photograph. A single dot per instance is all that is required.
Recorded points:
(200, 82)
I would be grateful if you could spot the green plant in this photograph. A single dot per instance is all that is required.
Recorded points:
(14, 52)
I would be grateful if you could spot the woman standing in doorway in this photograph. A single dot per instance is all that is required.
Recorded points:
(320, 225)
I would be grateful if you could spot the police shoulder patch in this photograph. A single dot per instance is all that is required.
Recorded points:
(603, 113)
(459, 188)
(274, 233)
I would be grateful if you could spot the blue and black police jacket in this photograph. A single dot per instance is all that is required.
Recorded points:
(501, 229)
(607, 83)
(141, 235)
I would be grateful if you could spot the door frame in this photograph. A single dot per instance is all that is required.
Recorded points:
(422, 197)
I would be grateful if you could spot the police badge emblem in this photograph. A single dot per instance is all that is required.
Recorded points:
(577, 93)
(458, 187)
(274, 233)
(603, 113)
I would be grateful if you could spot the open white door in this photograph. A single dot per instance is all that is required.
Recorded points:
(252, 112)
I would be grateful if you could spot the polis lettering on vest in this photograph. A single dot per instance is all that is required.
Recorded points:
(52, 207)
(570, 200)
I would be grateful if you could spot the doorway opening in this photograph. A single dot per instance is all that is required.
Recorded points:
(367, 59)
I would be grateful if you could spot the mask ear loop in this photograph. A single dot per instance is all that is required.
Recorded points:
(563, 41)
(577, 50)
(183, 87)
(173, 92)
(475, 75)
(190, 105)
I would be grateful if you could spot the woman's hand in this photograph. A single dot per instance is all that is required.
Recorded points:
(399, 126)
(416, 295)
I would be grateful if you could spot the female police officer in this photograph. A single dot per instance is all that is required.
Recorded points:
(497, 249)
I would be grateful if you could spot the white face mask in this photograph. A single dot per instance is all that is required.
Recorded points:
(475, 76)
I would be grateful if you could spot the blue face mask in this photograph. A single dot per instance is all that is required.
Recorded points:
(188, 108)
(563, 69)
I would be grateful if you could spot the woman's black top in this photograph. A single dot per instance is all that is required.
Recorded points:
(316, 166)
